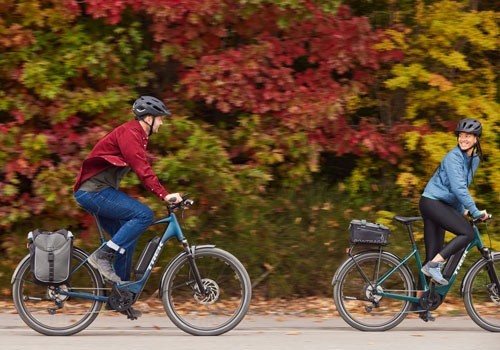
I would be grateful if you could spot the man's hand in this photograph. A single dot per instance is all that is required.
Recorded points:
(173, 198)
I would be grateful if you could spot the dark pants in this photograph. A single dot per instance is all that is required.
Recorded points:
(438, 218)
(123, 218)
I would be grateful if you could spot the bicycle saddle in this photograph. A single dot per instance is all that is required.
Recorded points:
(407, 220)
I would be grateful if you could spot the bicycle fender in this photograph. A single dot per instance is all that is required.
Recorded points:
(469, 271)
(16, 271)
(194, 249)
(384, 252)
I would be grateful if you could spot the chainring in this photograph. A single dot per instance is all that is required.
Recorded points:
(431, 300)
(120, 300)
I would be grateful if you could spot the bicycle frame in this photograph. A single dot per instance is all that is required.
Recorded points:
(442, 290)
(172, 230)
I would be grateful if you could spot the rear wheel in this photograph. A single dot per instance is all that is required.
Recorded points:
(46, 310)
(357, 285)
(482, 296)
(227, 298)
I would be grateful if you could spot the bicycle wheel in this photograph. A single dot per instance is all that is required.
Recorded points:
(354, 289)
(482, 297)
(47, 311)
(226, 303)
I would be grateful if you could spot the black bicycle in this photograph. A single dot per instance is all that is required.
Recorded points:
(204, 290)
(374, 289)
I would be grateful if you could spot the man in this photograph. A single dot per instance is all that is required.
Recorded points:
(96, 187)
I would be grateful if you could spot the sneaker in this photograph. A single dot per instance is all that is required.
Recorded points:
(435, 272)
(101, 260)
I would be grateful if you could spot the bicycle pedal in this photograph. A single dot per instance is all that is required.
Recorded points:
(131, 315)
(426, 316)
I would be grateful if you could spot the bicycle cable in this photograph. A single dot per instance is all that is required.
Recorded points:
(489, 236)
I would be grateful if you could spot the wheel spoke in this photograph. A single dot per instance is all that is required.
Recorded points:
(48, 310)
(360, 303)
(482, 296)
(228, 293)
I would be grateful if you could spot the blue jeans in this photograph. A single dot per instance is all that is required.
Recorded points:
(123, 218)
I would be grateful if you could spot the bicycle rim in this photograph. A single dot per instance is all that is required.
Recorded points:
(227, 300)
(355, 297)
(47, 311)
(482, 297)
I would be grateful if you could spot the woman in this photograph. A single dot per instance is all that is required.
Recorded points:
(446, 199)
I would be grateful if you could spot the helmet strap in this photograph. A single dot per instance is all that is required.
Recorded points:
(150, 125)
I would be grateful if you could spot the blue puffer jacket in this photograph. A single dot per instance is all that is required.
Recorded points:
(451, 181)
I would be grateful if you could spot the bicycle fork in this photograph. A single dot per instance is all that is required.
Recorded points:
(492, 274)
(190, 253)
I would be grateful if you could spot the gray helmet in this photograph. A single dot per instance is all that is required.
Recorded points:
(471, 126)
(148, 105)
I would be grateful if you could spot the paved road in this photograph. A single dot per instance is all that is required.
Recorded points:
(255, 332)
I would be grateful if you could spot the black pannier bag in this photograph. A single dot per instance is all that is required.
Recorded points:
(364, 232)
(50, 256)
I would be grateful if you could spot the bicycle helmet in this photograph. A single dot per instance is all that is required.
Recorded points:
(471, 126)
(148, 105)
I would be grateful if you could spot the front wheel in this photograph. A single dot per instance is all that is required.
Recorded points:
(482, 296)
(227, 298)
(47, 310)
(357, 287)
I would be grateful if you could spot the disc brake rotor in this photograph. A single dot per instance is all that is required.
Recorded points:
(212, 292)
(493, 293)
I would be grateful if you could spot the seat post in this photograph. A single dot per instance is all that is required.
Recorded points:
(99, 228)
(410, 233)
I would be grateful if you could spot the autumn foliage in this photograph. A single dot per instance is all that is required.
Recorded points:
(265, 94)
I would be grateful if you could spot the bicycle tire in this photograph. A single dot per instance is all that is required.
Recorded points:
(223, 308)
(354, 298)
(37, 305)
(481, 297)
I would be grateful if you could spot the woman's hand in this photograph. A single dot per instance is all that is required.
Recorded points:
(484, 215)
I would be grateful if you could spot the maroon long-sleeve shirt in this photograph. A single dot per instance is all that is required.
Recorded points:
(125, 146)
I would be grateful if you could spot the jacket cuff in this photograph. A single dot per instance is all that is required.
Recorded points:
(162, 195)
(476, 214)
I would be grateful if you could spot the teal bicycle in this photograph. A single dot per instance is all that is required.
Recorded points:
(204, 290)
(374, 289)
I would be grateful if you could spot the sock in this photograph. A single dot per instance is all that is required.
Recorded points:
(115, 247)
(108, 249)
(433, 264)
